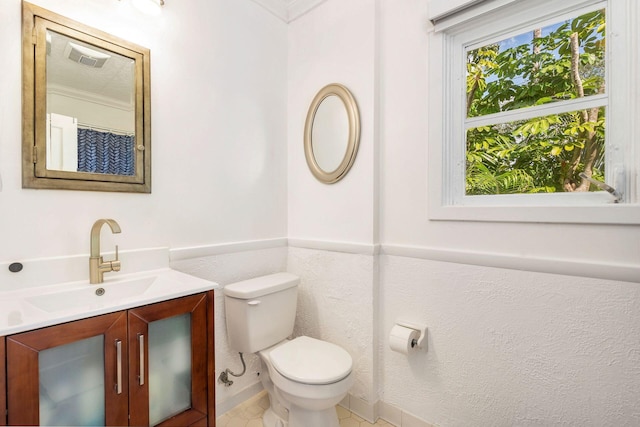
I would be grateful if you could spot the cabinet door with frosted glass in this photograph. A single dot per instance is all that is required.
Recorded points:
(72, 374)
(168, 363)
(3, 386)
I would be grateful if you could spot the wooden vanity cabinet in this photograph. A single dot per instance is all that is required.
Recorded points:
(155, 368)
(24, 384)
(176, 360)
(3, 385)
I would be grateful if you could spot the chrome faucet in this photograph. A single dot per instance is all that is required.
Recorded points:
(97, 266)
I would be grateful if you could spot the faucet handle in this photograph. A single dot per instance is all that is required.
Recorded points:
(115, 264)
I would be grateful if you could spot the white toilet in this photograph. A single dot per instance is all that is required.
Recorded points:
(305, 377)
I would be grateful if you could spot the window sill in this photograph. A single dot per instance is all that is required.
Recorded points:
(583, 214)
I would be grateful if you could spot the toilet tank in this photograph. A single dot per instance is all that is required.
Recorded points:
(260, 312)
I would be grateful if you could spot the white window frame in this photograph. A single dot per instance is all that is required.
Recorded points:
(497, 19)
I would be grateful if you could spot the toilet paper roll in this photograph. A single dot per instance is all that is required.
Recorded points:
(401, 337)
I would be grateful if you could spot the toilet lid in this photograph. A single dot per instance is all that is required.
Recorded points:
(310, 361)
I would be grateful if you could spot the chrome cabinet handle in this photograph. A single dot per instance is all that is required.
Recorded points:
(118, 367)
(141, 352)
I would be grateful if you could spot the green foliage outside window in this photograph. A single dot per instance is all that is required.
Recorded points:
(541, 154)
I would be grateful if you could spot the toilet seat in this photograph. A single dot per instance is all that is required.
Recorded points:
(310, 361)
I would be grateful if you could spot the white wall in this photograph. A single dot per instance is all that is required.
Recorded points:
(218, 79)
(507, 346)
(230, 84)
(218, 93)
(334, 43)
(404, 123)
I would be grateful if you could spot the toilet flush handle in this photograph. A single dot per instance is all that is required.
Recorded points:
(254, 302)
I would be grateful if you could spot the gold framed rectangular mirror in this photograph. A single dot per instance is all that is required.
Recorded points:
(86, 112)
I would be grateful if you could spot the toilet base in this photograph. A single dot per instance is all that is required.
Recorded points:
(299, 417)
(300, 405)
(270, 419)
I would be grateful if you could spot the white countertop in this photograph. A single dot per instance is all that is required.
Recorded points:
(37, 307)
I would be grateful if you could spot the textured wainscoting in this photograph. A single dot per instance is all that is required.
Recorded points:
(505, 345)
(336, 303)
(510, 347)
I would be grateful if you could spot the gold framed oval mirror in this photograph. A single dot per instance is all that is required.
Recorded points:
(86, 107)
(332, 133)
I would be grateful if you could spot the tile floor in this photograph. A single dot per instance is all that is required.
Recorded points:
(249, 414)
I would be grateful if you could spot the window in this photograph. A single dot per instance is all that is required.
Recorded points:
(530, 104)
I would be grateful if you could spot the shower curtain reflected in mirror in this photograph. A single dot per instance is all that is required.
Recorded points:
(105, 152)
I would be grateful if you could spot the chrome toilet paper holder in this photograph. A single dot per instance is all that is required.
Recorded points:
(420, 342)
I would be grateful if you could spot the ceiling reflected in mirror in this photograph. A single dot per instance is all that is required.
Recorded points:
(76, 66)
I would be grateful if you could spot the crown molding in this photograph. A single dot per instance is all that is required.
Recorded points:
(297, 8)
(289, 10)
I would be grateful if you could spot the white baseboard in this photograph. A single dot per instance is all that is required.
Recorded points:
(238, 398)
(365, 410)
(360, 407)
(380, 409)
(398, 417)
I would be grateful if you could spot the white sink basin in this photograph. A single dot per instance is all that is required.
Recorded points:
(50, 305)
(15, 313)
(92, 297)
